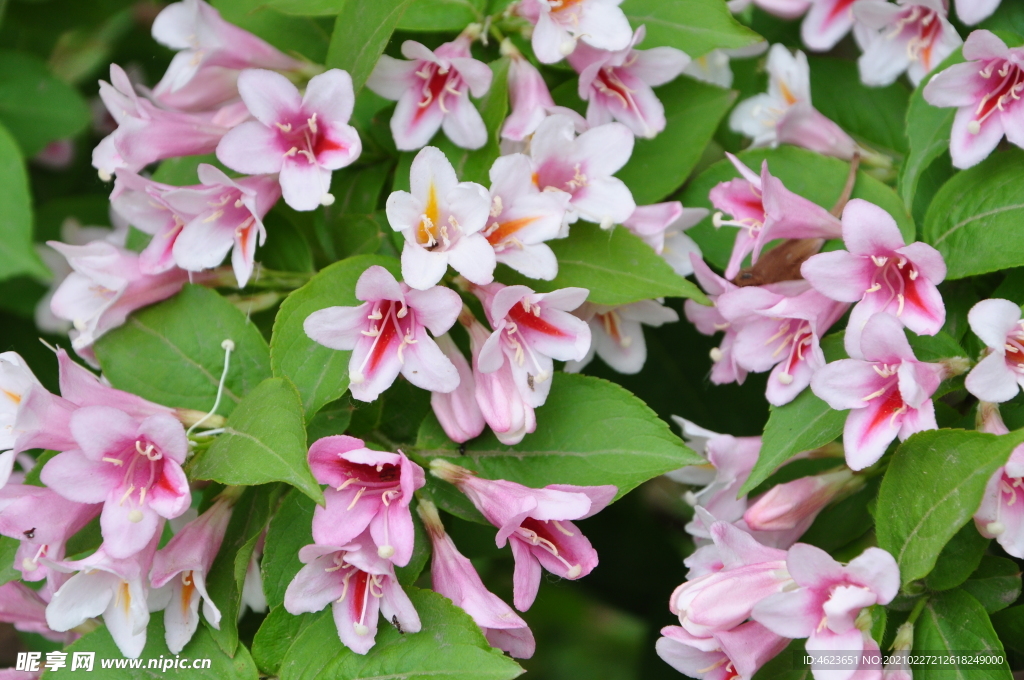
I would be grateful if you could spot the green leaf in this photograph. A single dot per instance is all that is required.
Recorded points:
(184, 170)
(319, 373)
(361, 32)
(16, 253)
(693, 111)
(840, 524)
(307, 36)
(693, 26)
(289, 250)
(35, 106)
(442, 15)
(8, 549)
(290, 529)
(278, 633)
(974, 219)
(995, 583)
(171, 353)
(263, 441)
(815, 177)
(954, 621)
(1010, 625)
(224, 582)
(928, 129)
(615, 266)
(331, 419)
(450, 645)
(586, 432)
(202, 646)
(933, 486)
(958, 559)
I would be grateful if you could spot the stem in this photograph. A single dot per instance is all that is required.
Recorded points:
(916, 611)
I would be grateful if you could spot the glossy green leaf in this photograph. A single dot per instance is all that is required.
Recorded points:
(958, 560)
(659, 166)
(16, 253)
(278, 633)
(933, 486)
(290, 529)
(8, 549)
(813, 176)
(171, 352)
(308, 36)
(954, 621)
(693, 26)
(615, 266)
(319, 373)
(295, 7)
(361, 31)
(974, 219)
(442, 15)
(263, 441)
(996, 583)
(1009, 623)
(183, 170)
(35, 106)
(585, 432)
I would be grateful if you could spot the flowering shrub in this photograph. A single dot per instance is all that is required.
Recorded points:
(385, 280)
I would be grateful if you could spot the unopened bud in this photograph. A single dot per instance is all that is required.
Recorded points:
(954, 366)
(453, 474)
(904, 638)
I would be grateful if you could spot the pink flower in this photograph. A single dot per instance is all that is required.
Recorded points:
(207, 46)
(797, 503)
(734, 654)
(661, 226)
(618, 84)
(830, 596)
(105, 286)
(709, 320)
(583, 167)
(999, 376)
(912, 36)
(780, 330)
(881, 273)
(183, 564)
(302, 138)
(432, 91)
(440, 220)
(888, 391)
(357, 584)
(531, 329)
(132, 466)
(522, 217)
(618, 336)
(537, 523)
(763, 210)
(26, 609)
(974, 11)
(16, 381)
(457, 411)
(367, 490)
(786, 9)
(142, 202)
(502, 405)
(826, 23)
(557, 26)
(986, 92)
(454, 576)
(529, 97)
(146, 133)
(1001, 514)
(116, 588)
(387, 334)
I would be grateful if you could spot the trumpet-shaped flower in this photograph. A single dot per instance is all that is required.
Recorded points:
(558, 25)
(388, 334)
(503, 407)
(913, 36)
(888, 391)
(709, 320)
(432, 91)
(999, 376)
(617, 333)
(734, 654)
(16, 381)
(972, 12)
(661, 226)
(986, 91)
(457, 411)
(142, 203)
(1001, 513)
(528, 94)
(618, 84)
(441, 219)
(303, 138)
(827, 22)
(795, 504)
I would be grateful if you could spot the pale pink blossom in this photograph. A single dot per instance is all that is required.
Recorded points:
(26, 609)
(131, 465)
(357, 584)
(714, 68)
(367, 491)
(734, 654)
(618, 84)
(974, 11)
(441, 220)
(457, 411)
(1001, 513)
(454, 576)
(183, 565)
(143, 204)
(522, 218)
(388, 334)
(826, 23)
(529, 97)
(432, 91)
(303, 138)
(986, 93)
(558, 25)
(828, 600)
(796, 504)
(16, 381)
(617, 333)
(913, 36)
(888, 391)
(503, 407)
(661, 226)
(881, 273)
(999, 376)
(583, 167)
(530, 331)
(709, 320)
(57, 155)
(536, 521)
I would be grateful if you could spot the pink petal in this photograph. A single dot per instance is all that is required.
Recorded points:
(426, 365)
(526, 577)
(463, 124)
(252, 148)
(337, 327)
(870, 230)
(413, 126)
(876, 569)
(330, 96)
(270, 97)
(391, 77)
(967, 148)
(422, 268)
(121, 536)
(304, 184)
(993, 380)
(868, 433)
(474, 258)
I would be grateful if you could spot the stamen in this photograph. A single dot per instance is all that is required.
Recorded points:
(115, 461)
(359, 494)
